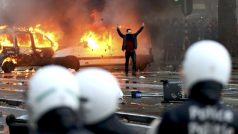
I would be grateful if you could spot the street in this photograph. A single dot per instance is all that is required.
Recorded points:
(13, 87)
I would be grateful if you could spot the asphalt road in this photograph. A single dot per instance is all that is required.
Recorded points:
(14, 86)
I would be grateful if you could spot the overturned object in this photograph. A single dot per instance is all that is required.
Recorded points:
(173, 90)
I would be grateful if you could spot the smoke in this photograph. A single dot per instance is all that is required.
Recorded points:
(158, 14)
(71, 18)
(68, 17)
(28, 12)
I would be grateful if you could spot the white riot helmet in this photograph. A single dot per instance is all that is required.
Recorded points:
(100, 90)
(51, 87)
(206, 60)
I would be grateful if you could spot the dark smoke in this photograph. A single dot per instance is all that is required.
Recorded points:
(28, 12)
(68, 16)
(153, 13)
(71, 17)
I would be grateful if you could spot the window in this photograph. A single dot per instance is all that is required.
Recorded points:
(6, 40)
(41, 41)
(24, 40)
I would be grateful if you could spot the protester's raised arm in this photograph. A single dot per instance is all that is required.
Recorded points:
(140, 30)
(119, 31)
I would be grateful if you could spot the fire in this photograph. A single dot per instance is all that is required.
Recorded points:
(3, 26)
(6, 40)
(96, 41)
(9, 59)
(91, 39)
(42, 38)
(42, 42)
(98, 37)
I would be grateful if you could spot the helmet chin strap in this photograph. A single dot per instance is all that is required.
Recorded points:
(82, 110)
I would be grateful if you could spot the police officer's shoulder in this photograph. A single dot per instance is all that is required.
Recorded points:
(82, 131)
(172, 119)
(177, 113)
(228, 108)
(236, 118)
(234, 113)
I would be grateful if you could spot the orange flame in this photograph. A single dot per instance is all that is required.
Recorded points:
(42, 38)
(6, 40)
(10, 59)
(44, 41)
(3, 26)
(95, 41)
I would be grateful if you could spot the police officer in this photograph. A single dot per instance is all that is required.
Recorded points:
(52, 101)
(130, 45)
(99, 95)
(207, 69)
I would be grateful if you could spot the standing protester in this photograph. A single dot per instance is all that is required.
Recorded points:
(130, 45)
(99, 102)
(207, 69)
(53, 103)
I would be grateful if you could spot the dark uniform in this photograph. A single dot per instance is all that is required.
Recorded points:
(130, 45)
(60, 121)
(111, 125)
(202, 114)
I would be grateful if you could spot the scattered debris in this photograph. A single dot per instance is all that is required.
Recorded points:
(142, 77)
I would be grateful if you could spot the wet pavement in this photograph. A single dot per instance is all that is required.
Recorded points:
(13, 86)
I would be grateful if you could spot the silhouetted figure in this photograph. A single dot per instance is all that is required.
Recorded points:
(130, 45)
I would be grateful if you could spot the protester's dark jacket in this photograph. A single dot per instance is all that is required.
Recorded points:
(202, 113)
(131, 37)
(111, 125)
